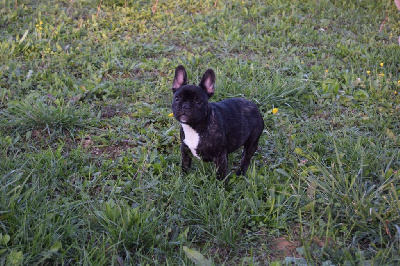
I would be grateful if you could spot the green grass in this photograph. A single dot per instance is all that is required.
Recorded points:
(89, 159)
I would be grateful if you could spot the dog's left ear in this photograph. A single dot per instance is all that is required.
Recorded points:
(207, 82)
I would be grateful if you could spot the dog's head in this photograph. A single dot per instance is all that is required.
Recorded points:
(190, 104)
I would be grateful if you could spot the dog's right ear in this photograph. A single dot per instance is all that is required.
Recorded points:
(180, 78)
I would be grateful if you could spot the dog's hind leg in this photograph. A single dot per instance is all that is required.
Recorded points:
(249, 149)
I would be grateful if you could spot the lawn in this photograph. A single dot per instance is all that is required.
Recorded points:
(89, 156)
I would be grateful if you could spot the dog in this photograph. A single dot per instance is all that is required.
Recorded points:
(211, 130)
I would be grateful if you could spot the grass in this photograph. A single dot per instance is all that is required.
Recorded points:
(89, 159)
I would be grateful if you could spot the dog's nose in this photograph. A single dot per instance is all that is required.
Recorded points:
(185, 106)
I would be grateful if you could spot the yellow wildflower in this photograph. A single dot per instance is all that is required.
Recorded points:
(275, 110)
(368, 72)
(171, 115)
(381, 64)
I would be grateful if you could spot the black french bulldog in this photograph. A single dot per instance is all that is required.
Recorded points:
(212, 130)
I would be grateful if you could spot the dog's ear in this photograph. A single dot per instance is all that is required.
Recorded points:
(180, 78)
(207, 82)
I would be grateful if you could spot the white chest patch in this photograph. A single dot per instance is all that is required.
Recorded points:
(192, 139)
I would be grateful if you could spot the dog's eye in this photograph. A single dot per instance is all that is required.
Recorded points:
(198, 101)
(177, 98)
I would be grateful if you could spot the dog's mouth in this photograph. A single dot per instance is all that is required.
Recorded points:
(184, 118)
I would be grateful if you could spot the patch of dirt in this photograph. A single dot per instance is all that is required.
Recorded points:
(111, 151)
(108, 112)
(282, 247)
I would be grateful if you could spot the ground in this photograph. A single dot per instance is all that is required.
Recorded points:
(89, 156)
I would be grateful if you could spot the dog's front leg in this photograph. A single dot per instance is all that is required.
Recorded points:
(221, 162)
(186, 159)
